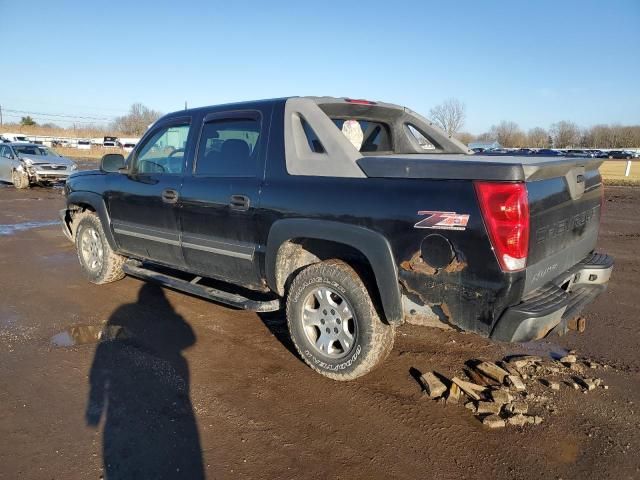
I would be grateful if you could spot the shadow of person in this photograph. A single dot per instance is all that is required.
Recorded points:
(139, 385)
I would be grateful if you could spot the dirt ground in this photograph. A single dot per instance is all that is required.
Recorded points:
(193, 386)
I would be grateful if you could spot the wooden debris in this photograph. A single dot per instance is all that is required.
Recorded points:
(517, 407)
(433, 386)
(454, 394)
(586, 383)
(477, 378)
(501, 396)
(568, 359)
(488, 407)
(493, 421)
(508, 367)
(518, 420)
(550, 384)
(470, 389)
(522, 361)
(516, 383)
(491, 370)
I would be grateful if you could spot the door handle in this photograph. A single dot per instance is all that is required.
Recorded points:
(169, 196)
(240, 202)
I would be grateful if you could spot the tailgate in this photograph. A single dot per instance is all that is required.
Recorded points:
(565, 219)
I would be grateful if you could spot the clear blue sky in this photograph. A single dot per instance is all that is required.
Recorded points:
(533, 62)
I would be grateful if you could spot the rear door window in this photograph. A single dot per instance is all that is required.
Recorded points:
(229, 148)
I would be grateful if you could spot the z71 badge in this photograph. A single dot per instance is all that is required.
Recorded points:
(443, 220)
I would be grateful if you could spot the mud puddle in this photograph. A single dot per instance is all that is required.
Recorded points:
(87, 334)
(11, 229)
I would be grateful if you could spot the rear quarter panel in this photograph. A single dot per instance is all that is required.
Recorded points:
(471, 293)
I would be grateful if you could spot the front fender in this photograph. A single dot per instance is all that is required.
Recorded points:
(96, 202)
(371, 244)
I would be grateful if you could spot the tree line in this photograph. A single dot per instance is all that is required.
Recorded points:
(450, 116)
(134, 123)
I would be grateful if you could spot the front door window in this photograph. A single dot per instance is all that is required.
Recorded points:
(163, 152)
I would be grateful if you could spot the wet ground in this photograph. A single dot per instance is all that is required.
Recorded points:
(129, 381)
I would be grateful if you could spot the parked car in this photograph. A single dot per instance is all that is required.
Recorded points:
(579, 153)
(620, 154)
(25, 164)
(128, 147)
(549, 152)
(15, 137)
(279, 207)
(497, 151)
(523, 151)
(598, 153)
(83, 145)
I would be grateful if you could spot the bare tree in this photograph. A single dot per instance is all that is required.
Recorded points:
(465, 137)
(508, 134)
(137, 120)
(565, 134)
(449, 115)
(538, 138)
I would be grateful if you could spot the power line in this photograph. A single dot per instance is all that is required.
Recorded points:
(59, 120)
(60, 115)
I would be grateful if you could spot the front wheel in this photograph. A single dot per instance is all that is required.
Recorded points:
(334, 323)
(99, 262)
(20, 180)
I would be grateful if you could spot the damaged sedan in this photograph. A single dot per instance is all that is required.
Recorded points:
(26, 164)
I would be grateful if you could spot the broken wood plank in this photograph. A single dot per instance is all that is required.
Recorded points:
(432, 385)
(468, 388)
(491, 370)
(478, 378)
(454, 394)
(508, 367)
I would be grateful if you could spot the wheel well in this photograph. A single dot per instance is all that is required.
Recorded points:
(73, 210)
(295, 254)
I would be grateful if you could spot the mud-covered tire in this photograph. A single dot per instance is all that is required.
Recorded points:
(373, 339)
(20, 180)
(98, 261)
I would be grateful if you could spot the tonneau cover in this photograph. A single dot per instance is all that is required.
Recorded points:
(472, 167)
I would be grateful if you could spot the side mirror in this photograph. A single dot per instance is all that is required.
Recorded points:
(112, 162)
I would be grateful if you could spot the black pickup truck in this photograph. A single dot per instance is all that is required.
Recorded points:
(354, 215)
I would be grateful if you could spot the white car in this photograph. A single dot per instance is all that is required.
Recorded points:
(24, 164)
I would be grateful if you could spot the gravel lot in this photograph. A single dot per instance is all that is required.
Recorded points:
(196, 387)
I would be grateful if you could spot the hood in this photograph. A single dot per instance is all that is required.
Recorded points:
(36, 159)
(86, 173)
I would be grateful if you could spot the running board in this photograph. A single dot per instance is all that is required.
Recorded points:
(210, 293)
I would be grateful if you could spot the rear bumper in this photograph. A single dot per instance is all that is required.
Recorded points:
(552, 306)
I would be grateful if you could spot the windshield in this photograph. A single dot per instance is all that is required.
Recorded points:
(28, 150)
(47, 151)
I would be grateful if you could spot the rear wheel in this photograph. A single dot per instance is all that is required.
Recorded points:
(20, 180)
(99, 262)
(334, 323)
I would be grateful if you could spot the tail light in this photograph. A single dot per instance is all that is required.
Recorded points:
(505, 209)
(359, 101)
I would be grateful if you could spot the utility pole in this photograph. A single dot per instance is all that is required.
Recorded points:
(0, 115)
(185, 104)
